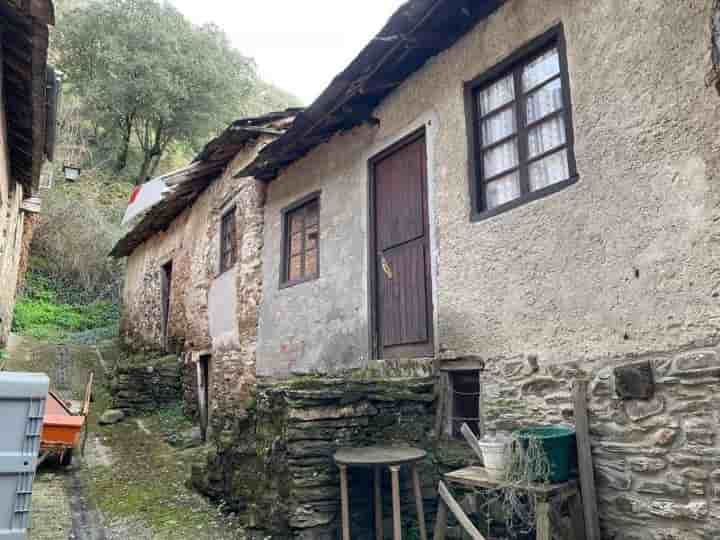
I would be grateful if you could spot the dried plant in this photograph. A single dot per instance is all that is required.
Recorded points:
(527, 463)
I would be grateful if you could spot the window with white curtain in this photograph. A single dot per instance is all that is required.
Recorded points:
(521, 138)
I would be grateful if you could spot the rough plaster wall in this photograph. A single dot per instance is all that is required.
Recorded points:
(319, 325)
(556, 277)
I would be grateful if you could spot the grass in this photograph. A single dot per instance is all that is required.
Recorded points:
(147, 481)
(40, 312)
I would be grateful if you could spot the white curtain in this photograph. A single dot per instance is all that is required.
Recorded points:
(544, 101)
(549, 170)
(546, 136)
(500, 158)
(541, 69)
(502, 190)
(498, 126)
(497, 95)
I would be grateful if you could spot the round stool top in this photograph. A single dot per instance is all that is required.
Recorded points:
(378, 455)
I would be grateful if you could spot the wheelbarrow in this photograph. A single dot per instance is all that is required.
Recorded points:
(62, 427)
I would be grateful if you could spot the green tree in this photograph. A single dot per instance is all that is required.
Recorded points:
(151, 76)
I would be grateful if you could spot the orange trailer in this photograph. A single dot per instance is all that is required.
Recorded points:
(62, 428)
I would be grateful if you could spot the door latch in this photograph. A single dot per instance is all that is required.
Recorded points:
(387, 269)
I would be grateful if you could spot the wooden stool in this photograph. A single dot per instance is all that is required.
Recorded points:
(376, 457)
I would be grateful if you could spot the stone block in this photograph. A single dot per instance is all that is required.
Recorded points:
(671, 486)
(697, 364)
(646, 464)
(644, 508)
(634, 381)
(700, 431)
(639, 409)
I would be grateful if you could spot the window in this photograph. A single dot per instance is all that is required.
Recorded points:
(521, 138)
(227, 241)
(301, 241)
(465, 402)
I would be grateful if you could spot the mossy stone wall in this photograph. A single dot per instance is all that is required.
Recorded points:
(274, 465)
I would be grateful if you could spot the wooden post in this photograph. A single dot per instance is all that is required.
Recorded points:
(397, 524)
(344, 503)
(377, 486)
(419, 502)
(472, 440)
(585, 465)
(542, 520)
(441, 520)
(457, 511)
(577, 518)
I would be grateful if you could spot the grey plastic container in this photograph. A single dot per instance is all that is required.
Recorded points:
(22, 406)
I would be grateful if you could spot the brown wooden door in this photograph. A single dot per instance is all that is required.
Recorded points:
(403, 296)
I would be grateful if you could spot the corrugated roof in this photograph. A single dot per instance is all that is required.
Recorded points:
(419, 30)
(188, 183)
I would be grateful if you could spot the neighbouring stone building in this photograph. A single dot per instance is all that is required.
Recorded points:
(177, 294)
(27, 100)
(513, 195)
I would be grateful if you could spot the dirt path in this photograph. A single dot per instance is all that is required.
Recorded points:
(131, 483)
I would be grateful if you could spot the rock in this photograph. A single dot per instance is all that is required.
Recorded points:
(613, 477)
(111, 416)
(646, 464)
(637, 409)
(666, 436)
(672, 486)
(700, 431)
(696, 364)
(331, 413)
(541, 385)
(643, 508)
(634, 381)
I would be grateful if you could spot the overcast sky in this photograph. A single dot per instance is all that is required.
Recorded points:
(299, 45)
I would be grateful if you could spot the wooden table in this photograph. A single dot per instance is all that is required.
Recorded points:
(478, 478)
(377, 457)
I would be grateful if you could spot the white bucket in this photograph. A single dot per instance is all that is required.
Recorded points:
(494, 452)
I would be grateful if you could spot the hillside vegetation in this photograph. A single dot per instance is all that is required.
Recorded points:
(143, 90)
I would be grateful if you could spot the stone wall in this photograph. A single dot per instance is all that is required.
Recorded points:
(211, 313)
(142, 384)
(11, 243)
(657, 464)
(275, 466)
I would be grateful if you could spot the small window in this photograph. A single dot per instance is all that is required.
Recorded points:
(301, 241)
(465, 402)
(521, 138)
(227, 241)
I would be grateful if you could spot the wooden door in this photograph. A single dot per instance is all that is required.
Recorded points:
(402, 284)
(165, 291)
(203, 376)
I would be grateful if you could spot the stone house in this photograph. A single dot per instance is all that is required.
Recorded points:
(27, 109)
(501, 196)
(193, 279)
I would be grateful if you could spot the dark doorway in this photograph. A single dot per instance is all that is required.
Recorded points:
(402, 288)
(165, 290)
(203, 368)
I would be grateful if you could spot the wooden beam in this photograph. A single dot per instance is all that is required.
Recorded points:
(457, 511)
(472, 440)
(585, 464)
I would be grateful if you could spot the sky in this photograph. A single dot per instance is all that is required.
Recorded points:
(299, 45)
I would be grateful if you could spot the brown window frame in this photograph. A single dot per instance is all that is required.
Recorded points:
(553, 38)
(287, 214)
(228, 245)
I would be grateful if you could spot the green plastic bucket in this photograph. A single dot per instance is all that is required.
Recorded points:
(556, 441)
